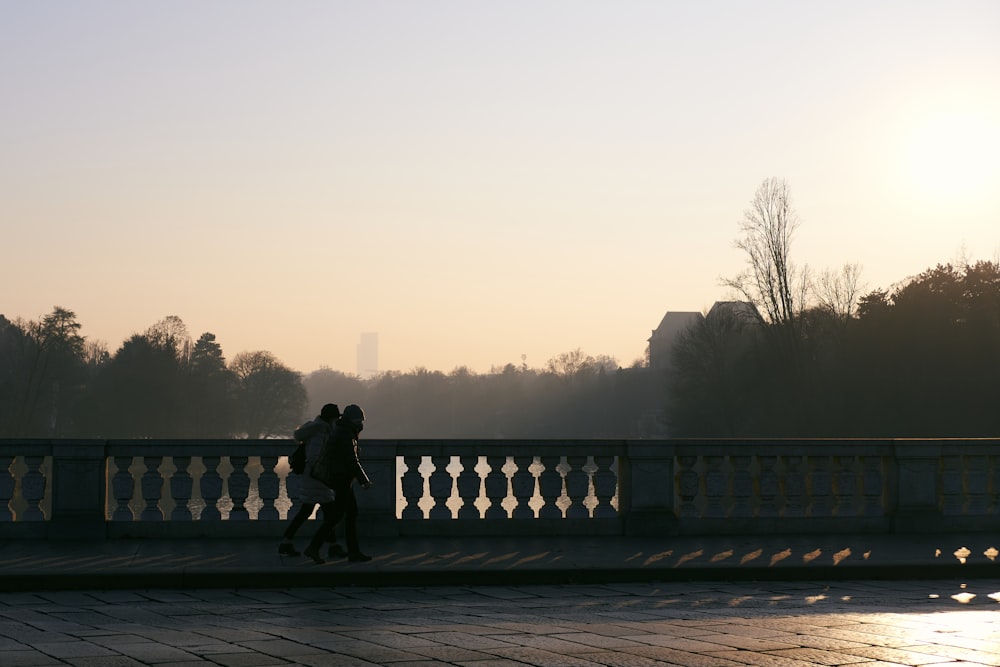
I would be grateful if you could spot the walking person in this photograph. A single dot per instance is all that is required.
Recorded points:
(338, 466)
(312, 492)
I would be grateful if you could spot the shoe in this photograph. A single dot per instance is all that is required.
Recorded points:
(358, 557)
(287, 549)
(314, 554)
(337, 551)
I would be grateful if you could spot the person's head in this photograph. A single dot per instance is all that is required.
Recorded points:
(330, 412)
(356, 416)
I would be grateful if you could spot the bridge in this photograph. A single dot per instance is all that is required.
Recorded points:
(516, 509)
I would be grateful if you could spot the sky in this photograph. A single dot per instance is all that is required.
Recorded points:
(480, 183)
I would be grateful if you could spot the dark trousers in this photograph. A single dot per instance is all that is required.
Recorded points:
(305, 511)
(344, 507)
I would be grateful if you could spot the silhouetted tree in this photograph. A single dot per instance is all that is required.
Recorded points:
(47, 373)
(212, 388)
(271, 399)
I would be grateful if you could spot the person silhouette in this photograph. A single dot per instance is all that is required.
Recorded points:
(339, 465)
(312, 492)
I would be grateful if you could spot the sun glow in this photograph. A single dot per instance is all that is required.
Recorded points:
(951, 160)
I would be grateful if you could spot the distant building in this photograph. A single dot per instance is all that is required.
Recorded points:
(368, 355)
(664, 336)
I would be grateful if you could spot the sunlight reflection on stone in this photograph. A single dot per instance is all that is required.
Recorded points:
(722, 556)
(658, 557)
(991, 553)
(780, 556)
(964, 598)
(841, 555)
(812, 555)
(962, 554)
(813, 599)
(691, 556)
(753, 555)
(994, 596)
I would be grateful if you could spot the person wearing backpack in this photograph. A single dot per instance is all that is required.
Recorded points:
(312, 436)
(338, 466)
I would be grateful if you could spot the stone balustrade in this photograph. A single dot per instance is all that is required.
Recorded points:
(54, 489)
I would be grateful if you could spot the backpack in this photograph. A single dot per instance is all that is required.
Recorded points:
(297, 461)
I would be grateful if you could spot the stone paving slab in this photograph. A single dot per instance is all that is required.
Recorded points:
(933, 623)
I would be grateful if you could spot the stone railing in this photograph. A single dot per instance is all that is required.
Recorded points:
(216, 488)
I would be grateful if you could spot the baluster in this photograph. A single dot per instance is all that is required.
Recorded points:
(846, 491)
(180, 489)
(468, 484)
(268, 488)
(716, 485)
(441, 484)
(577, 487)
(550, 487)
(688, 483)
(605, 486)
(977, 485)
(951, 486)
(7, 485)
(293, 490)
(123, 487)
(33, 488)
(769, 486)
(211, 489)
(742, 486)
(871, 482)
(820, 486)
(523, 486)
(239, 488)
(152, 489)
(412, 484)
(794, 487)
(496, 487)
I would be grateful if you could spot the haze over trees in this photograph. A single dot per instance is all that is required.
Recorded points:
(920, 359)
(792, 356)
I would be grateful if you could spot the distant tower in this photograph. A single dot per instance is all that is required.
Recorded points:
(368, 355)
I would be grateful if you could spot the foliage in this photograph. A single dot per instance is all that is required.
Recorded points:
(920, 360)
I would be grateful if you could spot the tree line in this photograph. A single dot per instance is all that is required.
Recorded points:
(801, 356)
(55, 383)
(815, 358)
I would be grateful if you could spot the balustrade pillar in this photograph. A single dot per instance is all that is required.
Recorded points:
(7, 484)
(468, 487)
(268, 489)
(577, 487)
(412, 485)
(496, 487)
(647, 489)
(79, 474)
(377, 505)
(918, 491)
(441, 485)
(550, 487)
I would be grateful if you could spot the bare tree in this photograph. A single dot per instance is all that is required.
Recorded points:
(838, 293)
(272, 398)
(770, 281)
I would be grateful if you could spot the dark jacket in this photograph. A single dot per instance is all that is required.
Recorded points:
(340, 454)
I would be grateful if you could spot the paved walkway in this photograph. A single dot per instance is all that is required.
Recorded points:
(873, 601)
(866, 623)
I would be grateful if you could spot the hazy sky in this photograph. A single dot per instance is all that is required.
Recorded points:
(475, 181)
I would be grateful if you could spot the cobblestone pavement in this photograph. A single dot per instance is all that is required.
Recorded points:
(708, 624)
